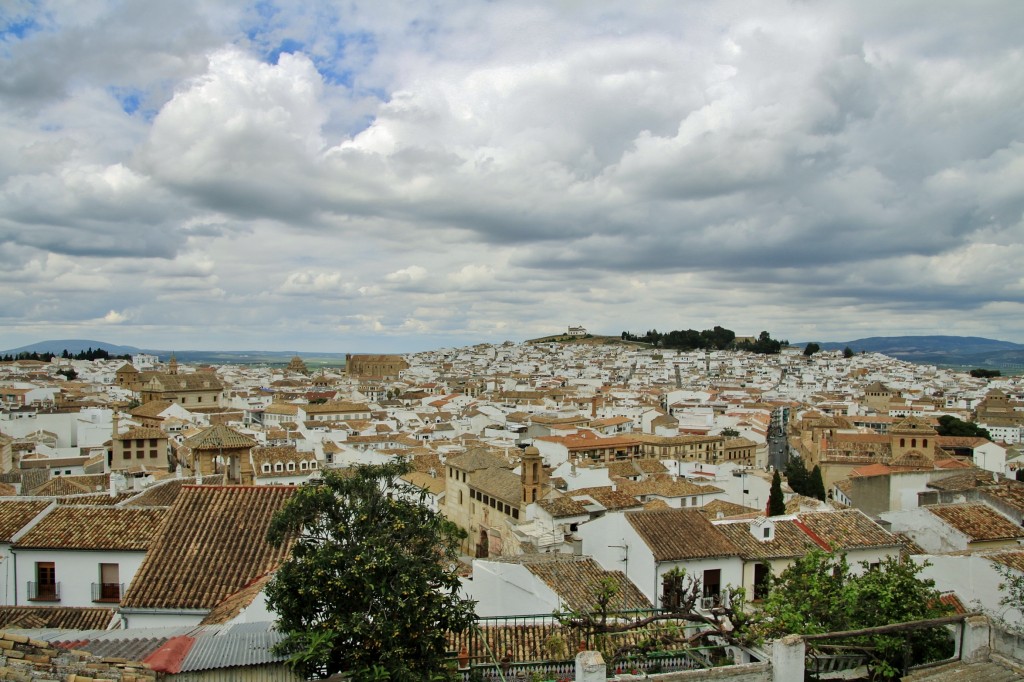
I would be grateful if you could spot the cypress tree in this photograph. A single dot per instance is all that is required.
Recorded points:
(816, 486)
(776, 504)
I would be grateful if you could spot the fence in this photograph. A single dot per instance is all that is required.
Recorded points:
(539, 647)
(902, 646)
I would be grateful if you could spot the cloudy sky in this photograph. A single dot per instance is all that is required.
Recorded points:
(396, 176)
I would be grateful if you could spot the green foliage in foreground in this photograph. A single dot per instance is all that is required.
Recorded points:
(371, 587)
(819, 593)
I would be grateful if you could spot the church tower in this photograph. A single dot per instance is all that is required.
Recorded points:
(532, 475)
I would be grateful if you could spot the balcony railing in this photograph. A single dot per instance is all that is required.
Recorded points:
(44, 591)
(107, 591)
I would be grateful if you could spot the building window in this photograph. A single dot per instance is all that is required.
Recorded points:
(266, 467)
(152, 454)
(303, 466)
(45, 586)
(152, 442)
(312, 465)
(140, 454)
(290, 466)
(278, 466)
(109, 587)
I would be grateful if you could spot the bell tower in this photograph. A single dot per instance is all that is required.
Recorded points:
(532, 475)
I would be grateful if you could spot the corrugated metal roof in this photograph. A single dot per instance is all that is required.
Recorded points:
(233, 649)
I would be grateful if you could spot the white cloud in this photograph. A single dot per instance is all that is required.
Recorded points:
(342, 171)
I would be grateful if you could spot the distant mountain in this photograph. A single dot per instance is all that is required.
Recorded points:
(948, 351)
(224, 357)
(72, 346)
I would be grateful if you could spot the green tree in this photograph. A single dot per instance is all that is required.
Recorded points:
(951, 426)
(797, 477)
(809, 597)
(371, 587)
(811, 348)
(776, 503)
(1012, 587)
(815, 484)
(847, 352)
(729, 432)
(979, 373)
(819, 593)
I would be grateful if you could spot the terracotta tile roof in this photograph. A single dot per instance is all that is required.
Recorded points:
(161, 494)
(1009, 492)
(622, 469)
(788, 540)
(141, 433)
(676, 534)
(212, 544)
(219, 437)
(966, 480)
(650, 466)
(14, 515)
(97, 499)
(563, 507)
(56, 617)
(577, 581)
(951, 600)
(477, 459)
(847, 529)
(606, 497)
(152, 409)
(335, 408)
(234, 604)
(73, 485)
(977, 521)
(435, 485)
(425, 461)
(666, 487)
(113, 528)
(1012, 558)
(711, 509)
(499, 483)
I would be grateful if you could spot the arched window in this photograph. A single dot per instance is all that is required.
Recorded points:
(913, 442)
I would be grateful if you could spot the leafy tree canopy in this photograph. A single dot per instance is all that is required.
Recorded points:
(371, 587)
(811, 348)
(718, 338)
(797, 477)
(764, 345)
(847, 352)
(979, 373)
(819, 593)
(951, 426)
